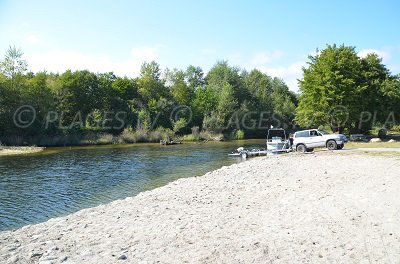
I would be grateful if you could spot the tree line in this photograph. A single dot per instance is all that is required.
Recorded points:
(226, 100)
(339, 90)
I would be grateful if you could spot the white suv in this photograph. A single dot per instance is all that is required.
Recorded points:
(307, 140)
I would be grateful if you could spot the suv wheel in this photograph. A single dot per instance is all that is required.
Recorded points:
(301, 148)
(331, 145)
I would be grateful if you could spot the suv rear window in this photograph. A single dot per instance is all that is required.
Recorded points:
(303, 134)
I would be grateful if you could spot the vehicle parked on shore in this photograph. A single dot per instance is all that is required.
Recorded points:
(307, 140)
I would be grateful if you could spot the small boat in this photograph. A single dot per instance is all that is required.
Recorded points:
(278, 141)
(245, 153)
(172, 142)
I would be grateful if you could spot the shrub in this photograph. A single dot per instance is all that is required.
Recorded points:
(239, 134)
(395, 129)
(190, 137)
(105, 138)
(140, 135)
(179, 124)
(127, 136)
(196, 131)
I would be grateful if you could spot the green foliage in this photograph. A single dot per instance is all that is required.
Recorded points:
(13, 66)
(338, 86)
(239, 134)
(395, 129)
(150, 85)
(190, 137)
(179, 124)
(82, 107)
(144, 119)
(181, 92)
(213, 123)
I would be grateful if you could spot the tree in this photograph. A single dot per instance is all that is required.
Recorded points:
(221, 74)
(194, 77)
(260, 87)
(13, 66)
(181, 92)
(331, 89)
(391, 93)
(227, 103)
(204, 102)
(81, 93)
(283, 101)
(150, 85)
(375, 101)
(125, 88)
(38, 94)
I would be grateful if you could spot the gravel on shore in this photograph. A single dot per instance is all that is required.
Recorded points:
(315, 208)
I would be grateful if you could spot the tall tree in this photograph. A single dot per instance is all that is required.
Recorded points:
(150, 84)
(181, 92)
(375, 75)
(14, 66)
(221, 74)
(331, 89)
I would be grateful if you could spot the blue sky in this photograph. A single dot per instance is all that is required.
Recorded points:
(273, 36)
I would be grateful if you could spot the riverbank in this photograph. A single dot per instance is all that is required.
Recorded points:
(90, 138)
(313, 208)
(7, 151)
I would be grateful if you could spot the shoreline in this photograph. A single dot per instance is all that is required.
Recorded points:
(16, 150)
(265, 209)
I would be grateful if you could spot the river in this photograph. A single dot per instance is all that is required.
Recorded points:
(59, 181)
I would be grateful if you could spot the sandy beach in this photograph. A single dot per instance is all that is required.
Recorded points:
(314, 208)
(8, 151)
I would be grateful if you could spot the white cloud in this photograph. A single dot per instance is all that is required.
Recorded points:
(289, 74)
(385, 55)
(145, 53)
(234, 59)
(62, 60)
(261, 58)
(33, 39)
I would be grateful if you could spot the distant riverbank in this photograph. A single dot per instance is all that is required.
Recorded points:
(320, 207)
(125, 137)
(7, 151)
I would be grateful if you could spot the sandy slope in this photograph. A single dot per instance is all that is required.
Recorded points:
(322, 208)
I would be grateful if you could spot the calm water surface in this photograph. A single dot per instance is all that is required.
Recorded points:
(58, 181)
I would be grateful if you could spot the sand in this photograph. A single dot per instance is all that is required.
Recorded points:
(314, 208)
(7, 151)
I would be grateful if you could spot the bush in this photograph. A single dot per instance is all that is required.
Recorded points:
(127, 136)
(140, 135)
(205, 135)
(239, 134)
(395, 129)
(196, 131)
(190, 137)
(105, 138)
(213, 123)
(179, 124)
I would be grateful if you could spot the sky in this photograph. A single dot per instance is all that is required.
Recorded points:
(275, 37)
